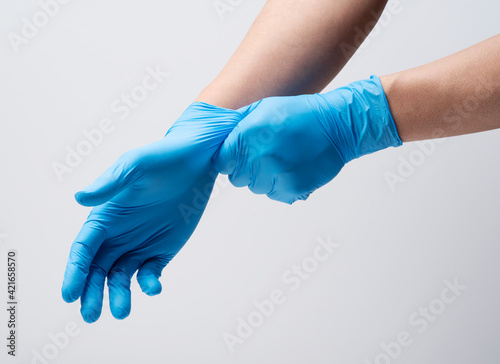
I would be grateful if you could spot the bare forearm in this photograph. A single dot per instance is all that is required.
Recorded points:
(459, 94)
(293, 47)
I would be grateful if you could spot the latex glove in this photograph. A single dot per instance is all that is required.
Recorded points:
(287, 147)
(147, 206)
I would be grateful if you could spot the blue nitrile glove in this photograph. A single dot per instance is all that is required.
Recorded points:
(287, 147)
(147, 206)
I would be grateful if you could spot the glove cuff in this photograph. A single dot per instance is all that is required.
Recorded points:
(360, 119)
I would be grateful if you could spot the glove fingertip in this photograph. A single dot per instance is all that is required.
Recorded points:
(80, 198)
(120, 313)
(89, 199)
(150, 285)
(68, 296)
(90, 316)
(153, 290)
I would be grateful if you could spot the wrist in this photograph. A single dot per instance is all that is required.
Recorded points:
(360, 119)
(228, 96)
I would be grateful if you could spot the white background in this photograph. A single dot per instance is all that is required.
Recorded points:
(396, 247)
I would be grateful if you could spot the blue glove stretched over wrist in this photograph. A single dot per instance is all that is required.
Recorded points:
(287, 147)
(147, 206)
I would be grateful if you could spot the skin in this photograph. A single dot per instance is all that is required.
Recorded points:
(293, 47)
(289, 38)
(456, 95)
(298, 47)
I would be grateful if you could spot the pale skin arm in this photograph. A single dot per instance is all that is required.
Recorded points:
(459, 94)
(293, 47)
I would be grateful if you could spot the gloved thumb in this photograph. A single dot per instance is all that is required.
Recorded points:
(226, 157)
(114, 180)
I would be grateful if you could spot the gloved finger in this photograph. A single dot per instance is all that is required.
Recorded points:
(262, 183)
(83, 250)
(234, 158)
(236, 153)
(119, 284)
(226, 158)
(115, 179)
(149, 274)
(287, 198)
(229, 155)
(282, 197)
(284, 192)
(242, 175)
(92, 295)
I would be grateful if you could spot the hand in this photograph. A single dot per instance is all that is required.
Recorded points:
(287, 147)
(147, 206)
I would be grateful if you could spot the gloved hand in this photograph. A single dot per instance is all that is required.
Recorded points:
(287, 147)
(147, 206)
